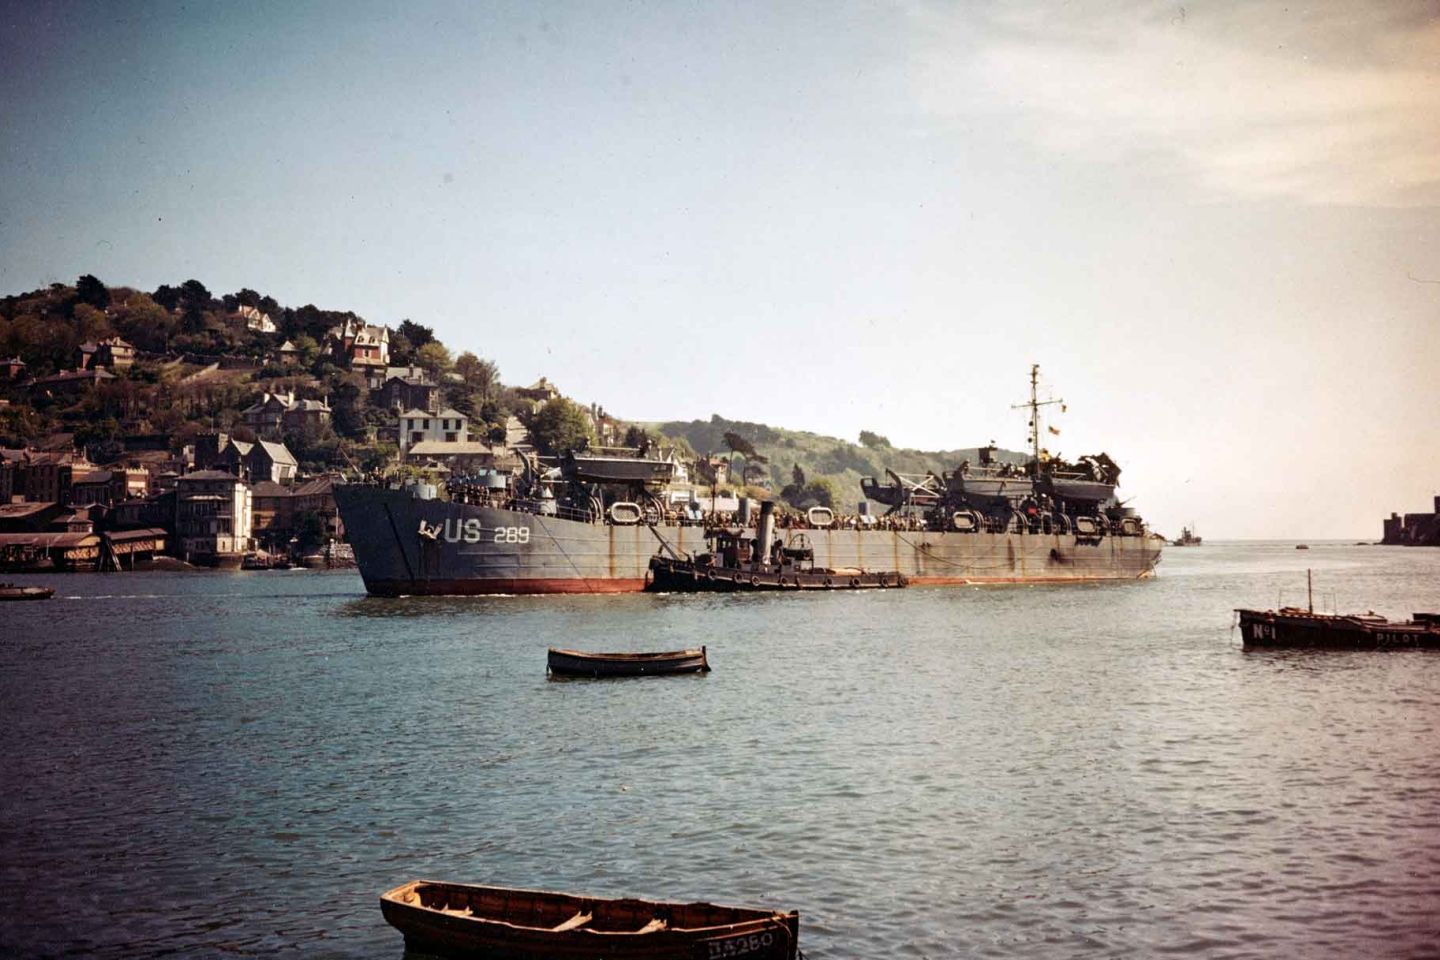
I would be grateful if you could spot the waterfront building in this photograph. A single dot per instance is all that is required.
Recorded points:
(213, 517)
(278, 509)
(96, 485)
(1414, 529)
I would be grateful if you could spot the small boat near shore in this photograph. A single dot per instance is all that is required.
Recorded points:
(11, 591)
(579, 663)
(461, 920)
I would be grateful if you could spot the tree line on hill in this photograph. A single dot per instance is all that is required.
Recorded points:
(176, 328)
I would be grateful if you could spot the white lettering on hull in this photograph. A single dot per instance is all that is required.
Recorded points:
(470, 531)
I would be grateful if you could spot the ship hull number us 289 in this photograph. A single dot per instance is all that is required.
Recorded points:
(740, 946)
(470, 531)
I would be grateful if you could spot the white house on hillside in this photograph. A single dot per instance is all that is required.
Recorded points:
(418, 426)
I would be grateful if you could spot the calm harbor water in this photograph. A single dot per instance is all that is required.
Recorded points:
(238, 764)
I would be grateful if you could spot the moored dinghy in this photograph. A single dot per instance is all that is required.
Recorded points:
(579, 663)
(461, 920)
(12, 591)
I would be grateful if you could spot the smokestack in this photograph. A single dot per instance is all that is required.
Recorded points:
(766, 531)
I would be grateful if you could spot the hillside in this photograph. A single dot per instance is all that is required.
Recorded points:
(200, 360)
(837, 461)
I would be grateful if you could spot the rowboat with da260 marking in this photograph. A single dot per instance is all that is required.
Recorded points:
(579, 663)
(461, 920)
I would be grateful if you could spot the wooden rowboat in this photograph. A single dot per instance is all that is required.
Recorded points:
(454, 919)
(10, 591)
(578, 663)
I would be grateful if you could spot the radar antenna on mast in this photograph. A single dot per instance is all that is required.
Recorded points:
(1034, 406)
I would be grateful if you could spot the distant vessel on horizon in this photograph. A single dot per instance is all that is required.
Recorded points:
(1188, 538)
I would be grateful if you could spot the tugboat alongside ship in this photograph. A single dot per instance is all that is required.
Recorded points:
(739, 561)
(591, 525)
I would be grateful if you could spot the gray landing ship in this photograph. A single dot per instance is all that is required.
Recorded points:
(592, 524)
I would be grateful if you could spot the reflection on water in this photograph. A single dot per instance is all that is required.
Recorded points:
(207, 763)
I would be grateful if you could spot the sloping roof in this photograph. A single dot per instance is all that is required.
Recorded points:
(51, 540)
(451, 413)
(413, 414)
(143, 533)
(313, 487)
(278, 452)
(269, 488)
(209, 475)
(241, 447)
(17, 511)
(448, 448)
(73, 376)
(309, 405)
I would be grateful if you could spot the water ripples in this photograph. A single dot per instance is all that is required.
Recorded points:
(241, 764)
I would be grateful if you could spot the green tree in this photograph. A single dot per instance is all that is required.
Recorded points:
(402, 351)
(347, 405)
(194, 301)
(90, 290)
(91, 323)
(144, 322)
(415, 334)
(561, 425)
(434, 358)
(307, 350)
(739, 444)
(167, 296)
(481, 376)
(637, 437)
(873, 440)
(822, 491)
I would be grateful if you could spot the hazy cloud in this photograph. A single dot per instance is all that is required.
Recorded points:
(1318, 104)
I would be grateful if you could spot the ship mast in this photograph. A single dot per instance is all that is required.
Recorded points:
(1034, 407)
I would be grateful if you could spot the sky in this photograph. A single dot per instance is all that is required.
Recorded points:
(1216, 227)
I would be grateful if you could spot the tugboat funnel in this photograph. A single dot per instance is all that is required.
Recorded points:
(765, 532)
